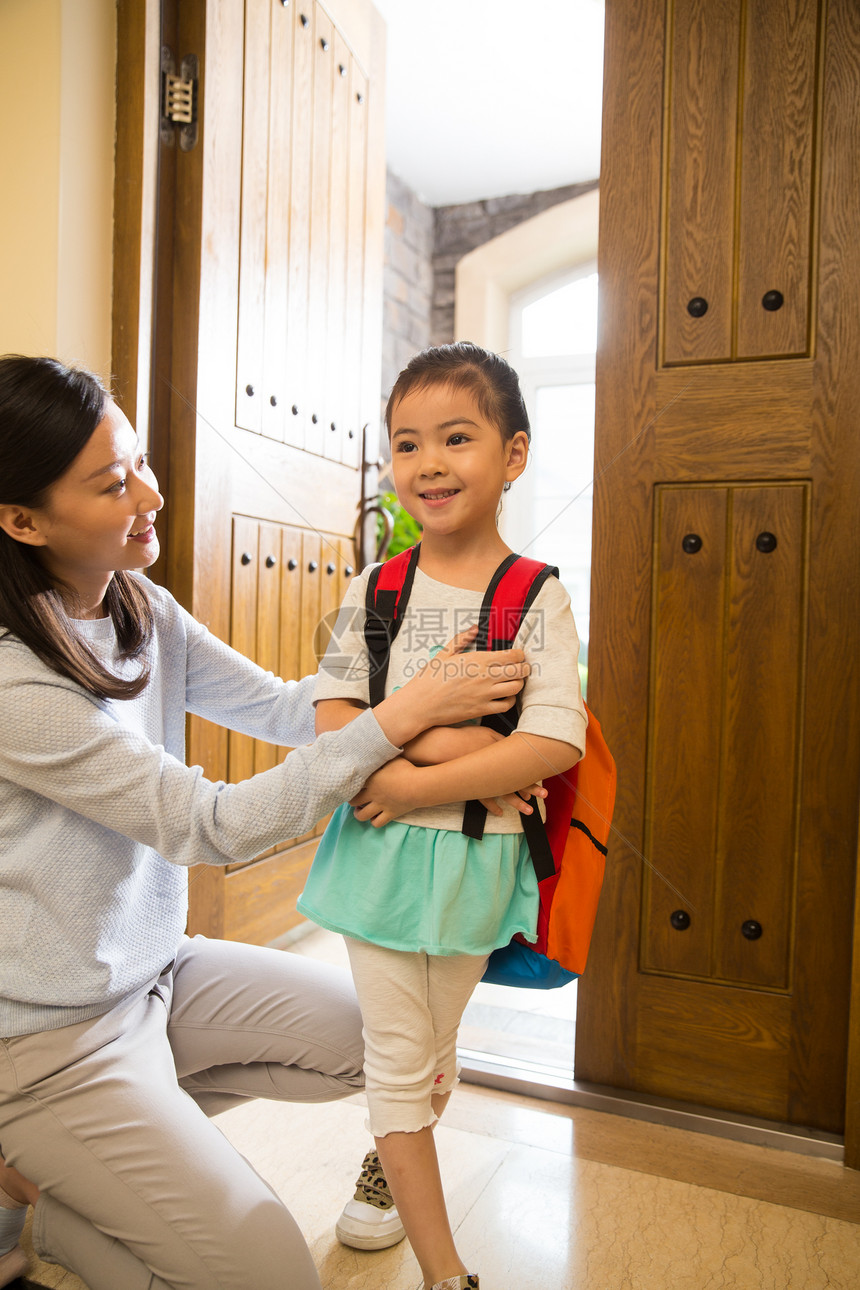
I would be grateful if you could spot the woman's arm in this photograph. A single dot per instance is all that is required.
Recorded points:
(84, 757)
(454, 686)
(501, 769)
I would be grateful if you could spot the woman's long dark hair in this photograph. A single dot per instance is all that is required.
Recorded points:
(47, 414)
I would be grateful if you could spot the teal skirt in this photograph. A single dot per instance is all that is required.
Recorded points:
(412, 888)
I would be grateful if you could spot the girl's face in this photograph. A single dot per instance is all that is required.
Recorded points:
(98, 516)
(450, 463)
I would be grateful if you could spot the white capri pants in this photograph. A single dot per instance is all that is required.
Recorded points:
(411, 1006)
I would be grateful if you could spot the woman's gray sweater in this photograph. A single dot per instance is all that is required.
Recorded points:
(100, 816)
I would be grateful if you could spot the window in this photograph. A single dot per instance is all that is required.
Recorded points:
(547, 514)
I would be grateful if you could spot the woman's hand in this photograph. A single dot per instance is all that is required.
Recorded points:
(454, 686)
(460, 683)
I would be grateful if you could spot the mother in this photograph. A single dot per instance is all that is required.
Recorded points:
(110, 1016)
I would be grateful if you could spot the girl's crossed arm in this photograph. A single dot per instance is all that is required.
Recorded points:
(439, 743)
(436, 745)
(495, 771)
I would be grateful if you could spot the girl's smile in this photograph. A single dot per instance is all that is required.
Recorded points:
(438, 496)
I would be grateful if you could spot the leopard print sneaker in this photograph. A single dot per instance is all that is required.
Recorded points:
(370, 1220)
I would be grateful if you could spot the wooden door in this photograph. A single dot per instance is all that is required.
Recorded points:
(725, 629)
(267, 361)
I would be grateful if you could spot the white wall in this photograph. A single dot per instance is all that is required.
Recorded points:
(57, 111)
(558, 238)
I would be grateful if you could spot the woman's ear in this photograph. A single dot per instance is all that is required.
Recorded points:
(517, 455)
(21, 524)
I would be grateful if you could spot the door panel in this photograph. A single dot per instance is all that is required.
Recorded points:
(255, 194)
(268, 623)
(358, 213)
(683, 808)
(280, 135)
(334, 428)
(267, 343)
(321, 149)
(286, 580)
(777, 190)
(243, 630)
(729, 627)
(764, 651)
(725, 676)
(741, 98)
(714, 1047)
(296, 373)
(702, 98)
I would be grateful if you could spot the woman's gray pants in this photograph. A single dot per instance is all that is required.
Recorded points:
(108, 1117)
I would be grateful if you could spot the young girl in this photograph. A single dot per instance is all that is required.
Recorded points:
(109, 1016)
(422, 905)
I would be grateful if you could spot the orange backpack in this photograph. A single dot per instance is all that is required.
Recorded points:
(569, 849)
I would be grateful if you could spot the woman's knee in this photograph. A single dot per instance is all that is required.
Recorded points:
(273, 1251)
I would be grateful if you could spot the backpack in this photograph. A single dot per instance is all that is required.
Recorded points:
(569, 849)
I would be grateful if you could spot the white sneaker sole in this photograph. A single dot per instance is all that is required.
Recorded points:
(364, 1227)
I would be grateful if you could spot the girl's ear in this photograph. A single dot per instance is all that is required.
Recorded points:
(21, 524)
(517, 455)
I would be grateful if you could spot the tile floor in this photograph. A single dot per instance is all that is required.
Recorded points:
(546, 1197)
(550, 1197)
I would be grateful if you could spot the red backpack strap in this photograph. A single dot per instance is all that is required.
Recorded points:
(508, 598)
(388, 589)
(511, 593)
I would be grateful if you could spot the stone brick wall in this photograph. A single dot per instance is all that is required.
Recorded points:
(422, 247)
(460, 229)
(408, 279)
